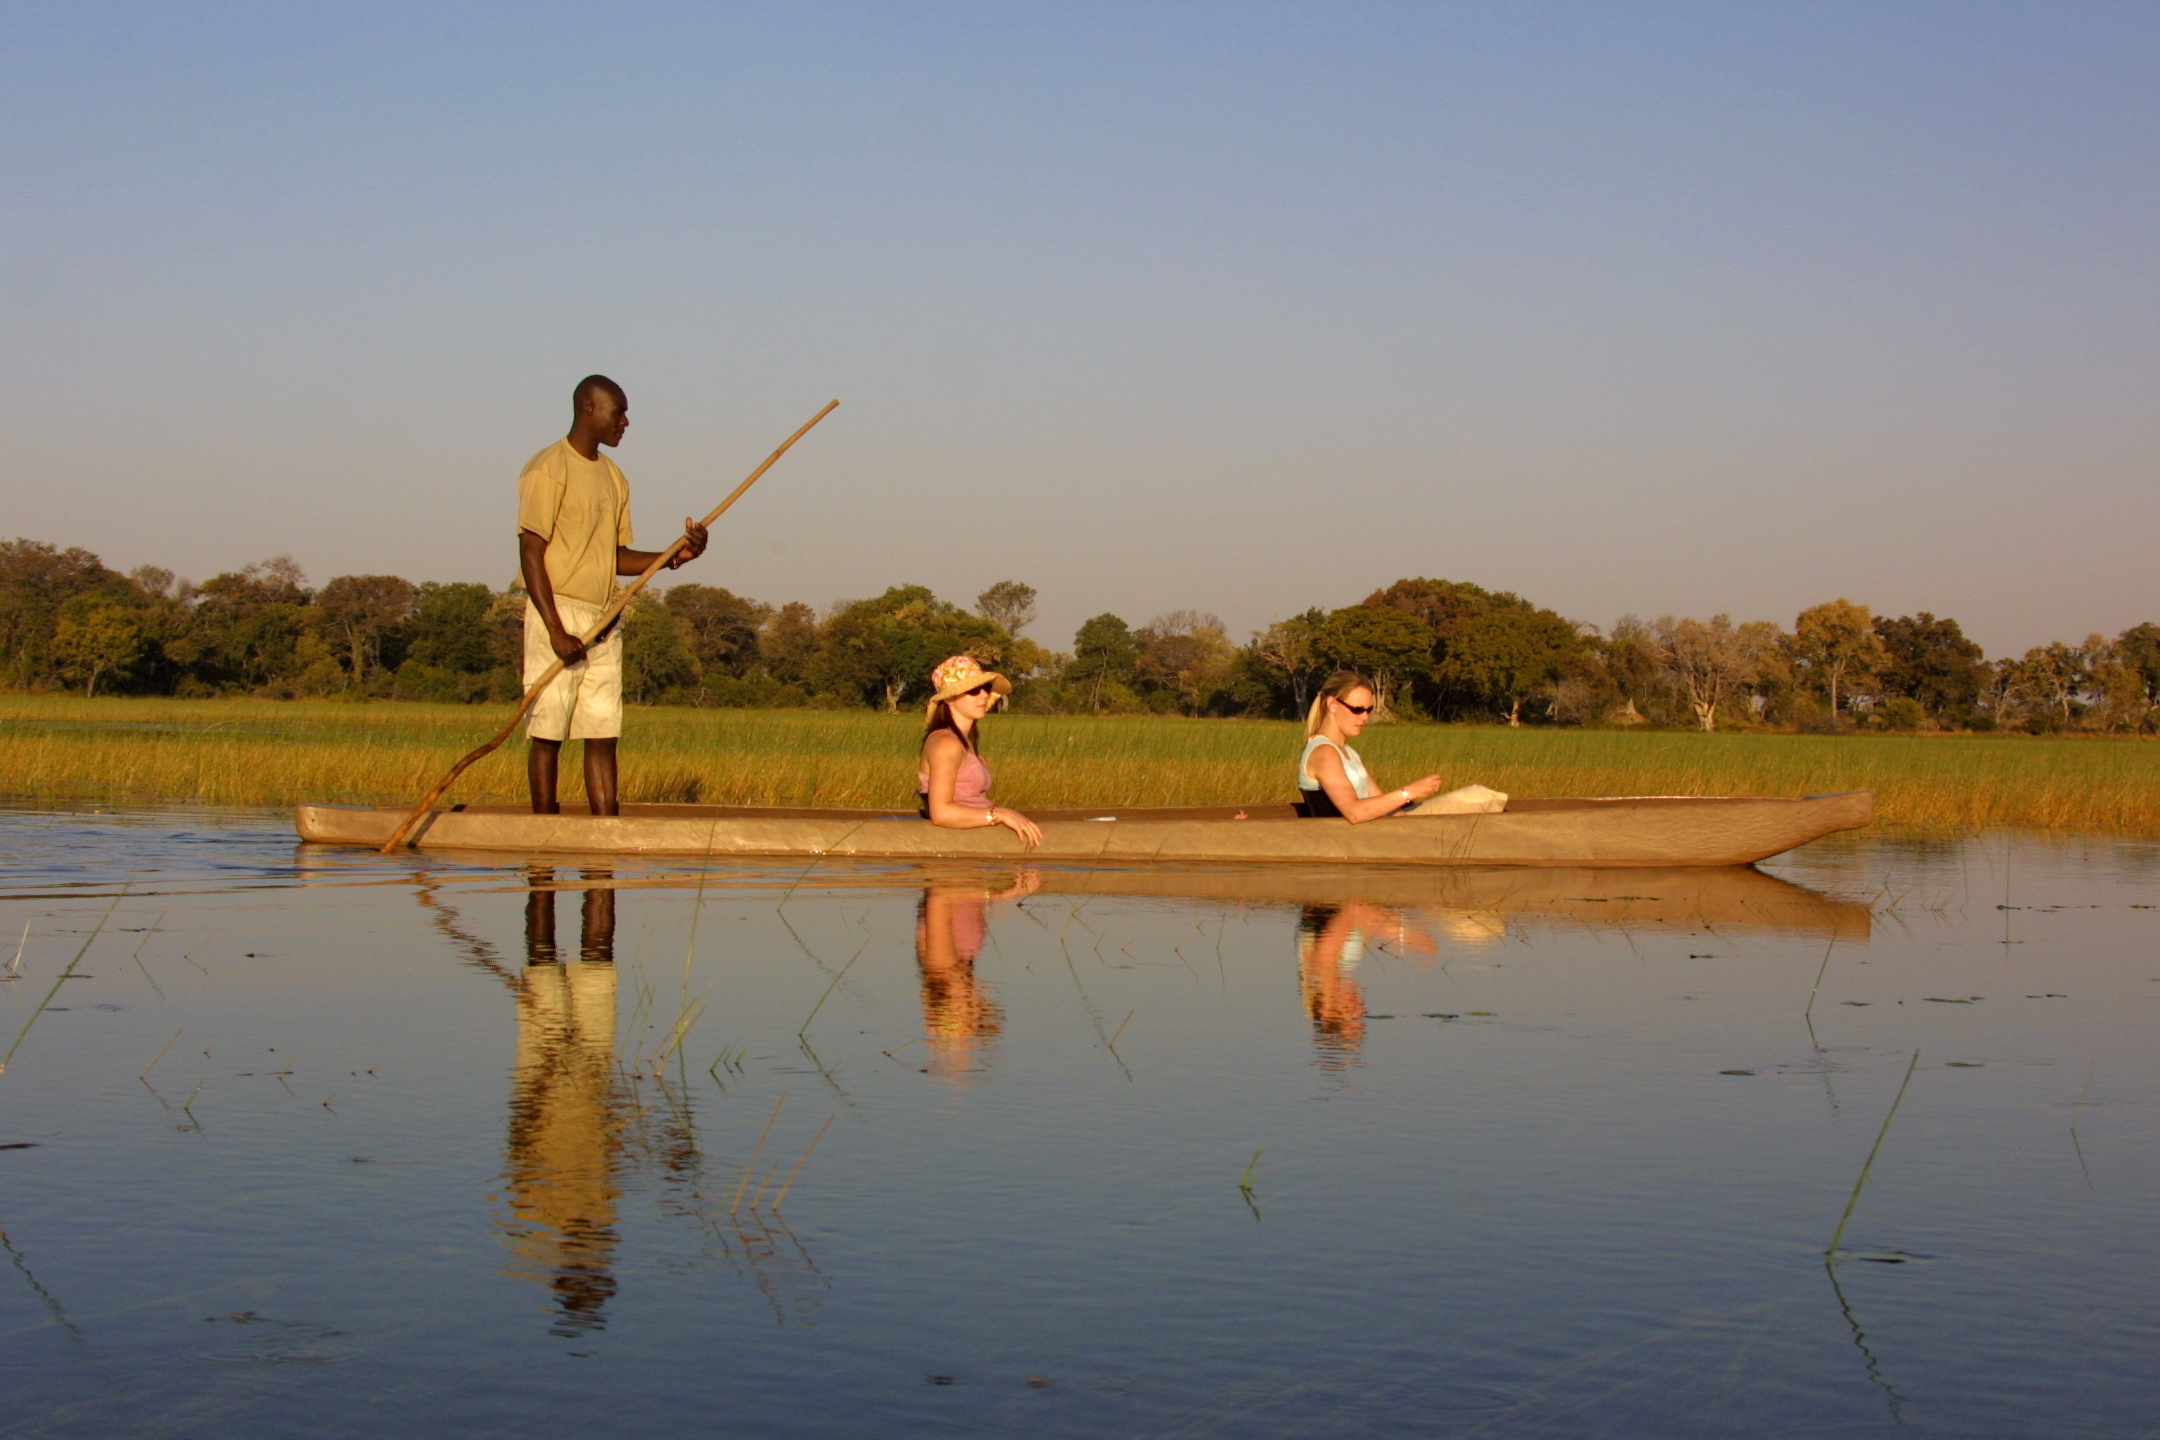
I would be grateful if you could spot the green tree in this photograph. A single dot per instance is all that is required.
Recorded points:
(1390, 647)
(1505, 656)
(160, 605)
(36, 580)
(1026, 660)
(245, 627)
(450, 625)
(788, 643)
(1585, 692)
(1104, 653)
(1285, 662)
(506, 647)
(1619, 677)
(2136, 674)
(97, 637)
(1009, 605)
(878, 651)
(658, 665)
(1930, 661)
(464, 643)
(720, 627)
(1442, 605)
(364, 613)
(1836, 649)
(2047, 686)
(1636, 663)
(1186, 656)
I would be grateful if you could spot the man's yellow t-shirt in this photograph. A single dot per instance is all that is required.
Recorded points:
(582, 508)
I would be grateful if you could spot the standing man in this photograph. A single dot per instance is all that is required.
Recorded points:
(573, 540)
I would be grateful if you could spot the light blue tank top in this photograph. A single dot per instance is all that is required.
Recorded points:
(1351, 764)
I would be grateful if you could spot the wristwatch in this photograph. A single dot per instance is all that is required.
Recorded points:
(991, 814)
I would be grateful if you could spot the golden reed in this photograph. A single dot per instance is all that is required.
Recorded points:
(273, 753)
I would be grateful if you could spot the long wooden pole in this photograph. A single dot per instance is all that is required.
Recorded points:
(532, 692)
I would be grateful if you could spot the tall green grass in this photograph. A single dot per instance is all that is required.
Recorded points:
(249, 752)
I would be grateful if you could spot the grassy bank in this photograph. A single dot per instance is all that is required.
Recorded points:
(248, 752)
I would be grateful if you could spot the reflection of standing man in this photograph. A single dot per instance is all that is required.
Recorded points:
(573, 540)
(560, 1177)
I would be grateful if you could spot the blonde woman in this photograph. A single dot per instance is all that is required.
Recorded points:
(951, 779)
(1330, 773)
(1333, 777)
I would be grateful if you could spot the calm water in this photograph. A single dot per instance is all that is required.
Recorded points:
(418, 1152)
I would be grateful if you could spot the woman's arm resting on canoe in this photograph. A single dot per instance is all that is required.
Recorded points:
(944, 752)
(1327, 768)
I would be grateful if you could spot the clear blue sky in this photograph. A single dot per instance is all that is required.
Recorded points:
(1652, 308)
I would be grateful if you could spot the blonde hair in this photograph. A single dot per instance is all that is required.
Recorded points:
(1337, 685)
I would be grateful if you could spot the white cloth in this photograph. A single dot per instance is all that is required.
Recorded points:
(584, 702)
(1469, 800)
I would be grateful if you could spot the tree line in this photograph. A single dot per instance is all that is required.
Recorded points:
(1435, 649)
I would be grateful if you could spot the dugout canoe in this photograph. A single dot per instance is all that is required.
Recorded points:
(1619, 831)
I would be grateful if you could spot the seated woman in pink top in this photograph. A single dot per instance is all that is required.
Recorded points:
(952, 780)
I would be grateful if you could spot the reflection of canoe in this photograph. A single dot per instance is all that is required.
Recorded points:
(1679, 898)
(1660, 831)
(1725, 897)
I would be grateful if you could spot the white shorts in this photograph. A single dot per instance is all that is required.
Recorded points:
(584, 702)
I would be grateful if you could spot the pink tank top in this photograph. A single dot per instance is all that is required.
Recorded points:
(971, 787)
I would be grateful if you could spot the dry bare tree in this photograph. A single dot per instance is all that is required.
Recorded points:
(1009, 605)
(1711, 662)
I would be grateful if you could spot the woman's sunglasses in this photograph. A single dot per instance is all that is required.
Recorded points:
(983, 689)
(1357, 709)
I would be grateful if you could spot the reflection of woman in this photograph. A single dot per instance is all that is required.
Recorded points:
(560, 1181)
(950, 928)
(952, 780)
(1332, 941)
(1334, 780)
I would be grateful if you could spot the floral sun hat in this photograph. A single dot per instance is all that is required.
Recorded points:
(961, 674)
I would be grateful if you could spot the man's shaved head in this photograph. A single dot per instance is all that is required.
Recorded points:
(584, 393)
(599, 413)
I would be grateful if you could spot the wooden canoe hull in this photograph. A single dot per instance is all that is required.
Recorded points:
(1646, 831)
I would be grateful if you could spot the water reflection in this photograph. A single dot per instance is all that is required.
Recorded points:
(579, 1116)
(951, 923)
(1473, 906)
(567, 1110)
(1638, 1173)
(1332, 941)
